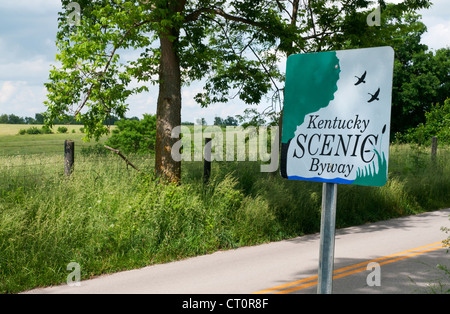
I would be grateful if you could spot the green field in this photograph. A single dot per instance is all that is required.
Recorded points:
(11, 143)
(13, 129)
(109, 218)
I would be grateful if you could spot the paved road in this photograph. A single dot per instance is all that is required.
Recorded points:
(407, 251)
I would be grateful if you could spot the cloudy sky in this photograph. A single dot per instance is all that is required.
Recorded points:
(27, 50)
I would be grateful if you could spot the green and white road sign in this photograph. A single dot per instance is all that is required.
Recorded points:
(336, 116)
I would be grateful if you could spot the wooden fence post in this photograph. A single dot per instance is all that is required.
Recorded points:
(433, 148)
(207, 161)
(69, 156)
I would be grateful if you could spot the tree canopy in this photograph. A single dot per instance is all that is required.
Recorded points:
(234, 46)
(421, 77)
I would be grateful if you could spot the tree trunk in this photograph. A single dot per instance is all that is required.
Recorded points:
(168, 109)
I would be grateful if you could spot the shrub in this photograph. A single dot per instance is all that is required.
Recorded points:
(33, 130)
(46, 130)
(62, 129)
(437, 124)
(132, 136)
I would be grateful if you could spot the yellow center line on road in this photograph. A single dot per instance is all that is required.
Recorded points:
(349, 270)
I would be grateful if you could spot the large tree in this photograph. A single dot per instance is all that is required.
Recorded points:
(234, 46)
(179, 42)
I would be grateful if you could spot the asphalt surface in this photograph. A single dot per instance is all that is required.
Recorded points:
(406, 250)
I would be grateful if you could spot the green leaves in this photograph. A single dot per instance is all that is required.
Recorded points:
(132, 136)
(421, 79)
(224, 42)
(92, 81)
(437, 123)
(234, 46)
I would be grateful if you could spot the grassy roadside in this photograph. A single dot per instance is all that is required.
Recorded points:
(108, 218)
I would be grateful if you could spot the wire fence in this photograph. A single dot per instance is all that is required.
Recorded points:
(38, 148)
(37, 163)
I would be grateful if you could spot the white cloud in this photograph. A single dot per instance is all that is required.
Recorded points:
(188, 93)
(191, 110)
(438, 36)
(437, 20)
(35, 6)
(142, 103)
(33, 71)
(20, 98)
(27, 50)
(7, 91)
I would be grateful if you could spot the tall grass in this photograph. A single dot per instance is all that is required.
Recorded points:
(108, 218)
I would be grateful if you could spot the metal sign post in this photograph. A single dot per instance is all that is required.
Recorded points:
(327, 235)
(336, 129)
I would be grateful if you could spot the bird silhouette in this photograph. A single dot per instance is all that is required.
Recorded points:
(361, 79)
(374, 96)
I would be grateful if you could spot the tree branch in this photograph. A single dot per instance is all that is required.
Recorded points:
(196, 14)
(123, 157)
(265, 69)
(136, 25)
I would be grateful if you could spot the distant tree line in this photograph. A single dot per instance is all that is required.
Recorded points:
(39, 119)
(13, 119)
(227, 121)
(250, 117)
